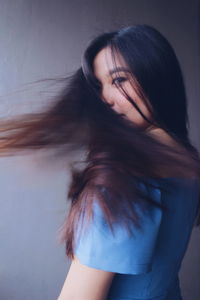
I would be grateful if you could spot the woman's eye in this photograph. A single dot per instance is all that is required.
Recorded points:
(118, 80)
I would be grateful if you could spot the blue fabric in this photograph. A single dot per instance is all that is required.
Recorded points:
(147, 261)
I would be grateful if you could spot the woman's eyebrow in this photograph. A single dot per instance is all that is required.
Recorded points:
(118, 69)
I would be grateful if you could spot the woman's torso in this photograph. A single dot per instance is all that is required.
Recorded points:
(162, 282)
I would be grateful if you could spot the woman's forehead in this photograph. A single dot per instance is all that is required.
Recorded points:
(105, 64)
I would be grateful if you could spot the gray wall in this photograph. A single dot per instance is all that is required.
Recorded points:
(40, 39)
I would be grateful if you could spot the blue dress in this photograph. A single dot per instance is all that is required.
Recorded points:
(147, 262)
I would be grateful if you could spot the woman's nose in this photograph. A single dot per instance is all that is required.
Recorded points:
(107, 97)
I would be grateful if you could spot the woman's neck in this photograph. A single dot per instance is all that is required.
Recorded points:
(161, 135)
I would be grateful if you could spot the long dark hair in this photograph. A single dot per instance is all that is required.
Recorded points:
(118, 154)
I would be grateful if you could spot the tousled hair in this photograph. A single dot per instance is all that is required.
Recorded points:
(118, 154)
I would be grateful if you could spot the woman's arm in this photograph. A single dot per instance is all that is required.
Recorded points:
(85, 283)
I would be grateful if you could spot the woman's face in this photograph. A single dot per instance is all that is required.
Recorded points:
(105, 72)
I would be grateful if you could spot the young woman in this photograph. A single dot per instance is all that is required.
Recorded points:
(136, 198)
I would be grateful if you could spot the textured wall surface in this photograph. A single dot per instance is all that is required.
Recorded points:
(40, 39)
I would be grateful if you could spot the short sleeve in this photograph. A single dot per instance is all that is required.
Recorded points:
(120, 252)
